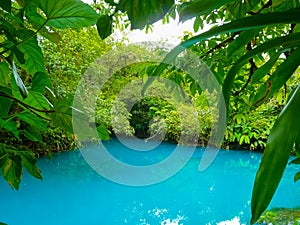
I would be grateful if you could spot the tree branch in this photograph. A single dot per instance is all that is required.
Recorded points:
(252, 69)
(267, 5)
(29, 107)
(222, 44)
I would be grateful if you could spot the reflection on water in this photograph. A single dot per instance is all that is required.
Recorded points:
(72, 193)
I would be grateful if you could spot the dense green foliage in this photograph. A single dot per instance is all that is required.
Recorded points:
(244, 131)
(29, 103)
(26, 96)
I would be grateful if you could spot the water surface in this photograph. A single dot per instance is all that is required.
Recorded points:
(72, 193)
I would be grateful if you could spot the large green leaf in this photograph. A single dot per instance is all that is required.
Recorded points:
(34, 59)
(62, 13)
(142, 13)
(283, 72)
(191, 9)
(276, 155)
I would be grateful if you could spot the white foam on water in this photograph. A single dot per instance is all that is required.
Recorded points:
(234, 221)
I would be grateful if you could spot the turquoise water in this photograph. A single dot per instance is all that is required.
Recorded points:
(72, 193)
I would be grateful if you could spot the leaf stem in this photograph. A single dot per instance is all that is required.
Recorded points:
(29, 107)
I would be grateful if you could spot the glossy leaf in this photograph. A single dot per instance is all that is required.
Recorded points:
(276, 155)
(3, 223)
(63, 13)
(142, 13)
(104, 26)
(191, 9)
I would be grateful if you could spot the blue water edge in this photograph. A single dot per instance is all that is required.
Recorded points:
(72, 193)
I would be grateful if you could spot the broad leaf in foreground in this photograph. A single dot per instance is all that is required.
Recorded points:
(62, 13)
(276, 155)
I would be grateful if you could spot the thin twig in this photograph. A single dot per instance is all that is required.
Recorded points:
(252, 70)
(222, 44)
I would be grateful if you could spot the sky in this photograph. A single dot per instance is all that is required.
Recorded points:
(171, 32)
